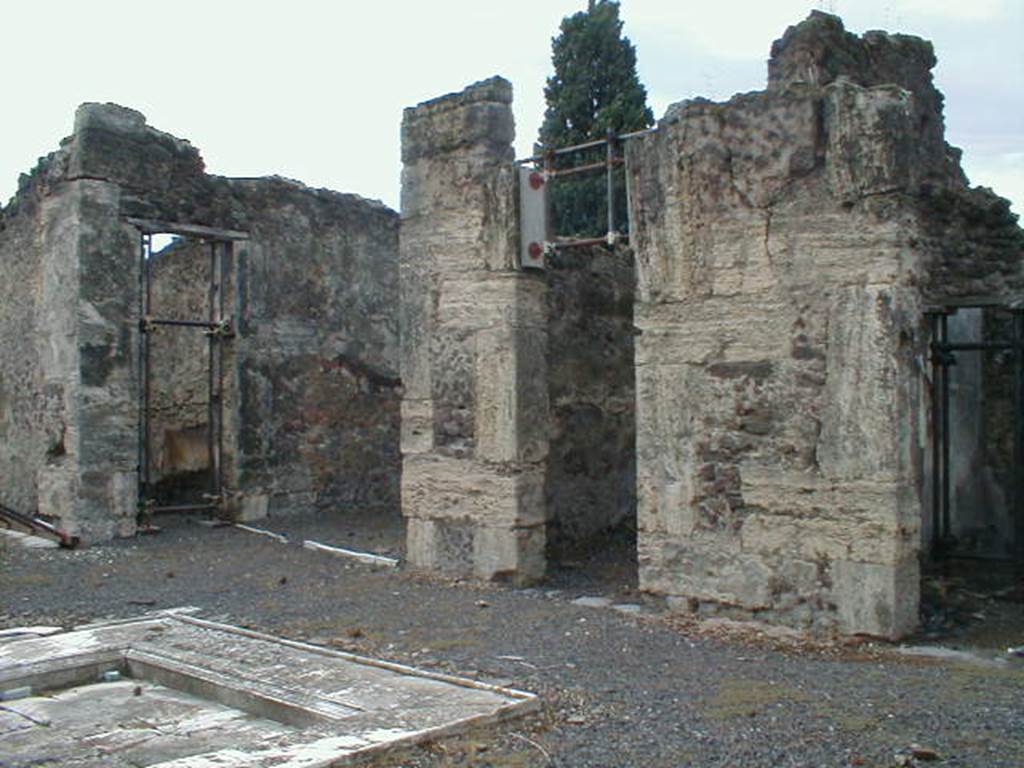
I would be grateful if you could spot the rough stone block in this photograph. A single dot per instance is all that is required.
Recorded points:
(438, 487)
(417, 426)
(479, 114)
(466, 548)
(870, 140)
(876, 599)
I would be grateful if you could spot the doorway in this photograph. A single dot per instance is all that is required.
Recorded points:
(186, 330)
(973, 522)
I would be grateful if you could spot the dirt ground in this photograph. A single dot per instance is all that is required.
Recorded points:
(624, 684)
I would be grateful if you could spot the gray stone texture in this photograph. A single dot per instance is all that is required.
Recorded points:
(787, 242)
(312, 378)
(590, 484)
(474, 337)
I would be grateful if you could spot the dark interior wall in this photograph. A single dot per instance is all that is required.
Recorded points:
(1000, 421)
(590, 483)
(982, 433)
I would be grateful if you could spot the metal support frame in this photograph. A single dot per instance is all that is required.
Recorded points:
(943, 356)
(217, 327)
(1018, 447)
(612, 160)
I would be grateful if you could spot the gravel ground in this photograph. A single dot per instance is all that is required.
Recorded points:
(620, 689)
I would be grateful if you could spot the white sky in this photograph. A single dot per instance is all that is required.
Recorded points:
(314, 90)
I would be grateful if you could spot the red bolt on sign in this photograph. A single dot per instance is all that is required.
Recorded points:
(536, 180)
(536, 249)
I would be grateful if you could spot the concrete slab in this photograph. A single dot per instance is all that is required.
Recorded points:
(190, 693)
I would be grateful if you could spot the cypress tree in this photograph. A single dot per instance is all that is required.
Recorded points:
(594, 89)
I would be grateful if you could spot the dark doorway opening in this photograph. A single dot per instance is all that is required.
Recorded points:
(186, 323)
(973, 523)
(575, 225)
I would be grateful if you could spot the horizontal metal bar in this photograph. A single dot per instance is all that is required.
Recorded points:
(637, 134)
(153, 227)
(576, 147)
(186, 323)
(976, 302)
(585, 145)
(575, 243)
(973, 346)
(600, 166)
(954, 555)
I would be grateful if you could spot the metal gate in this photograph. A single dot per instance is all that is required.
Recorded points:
(218, 328)
(1000, 342)
(536, 236)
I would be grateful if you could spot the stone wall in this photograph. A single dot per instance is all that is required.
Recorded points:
(37, 335)
(590, 483)
(312, 384)
(786, 243)
(474, 336)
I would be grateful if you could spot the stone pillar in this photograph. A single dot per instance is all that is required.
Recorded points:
(475, 404)
(778, 383)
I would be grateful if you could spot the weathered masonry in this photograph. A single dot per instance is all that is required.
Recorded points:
(801, 379)
(174, 339)
(793, 250)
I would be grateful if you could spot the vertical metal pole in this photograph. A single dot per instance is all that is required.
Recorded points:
(1018, 447)
(146, 307)
(142, 458)
(549, 166)
(946, 527)
(610, 175)
(936, 416)
(213, 403)
(223, 265)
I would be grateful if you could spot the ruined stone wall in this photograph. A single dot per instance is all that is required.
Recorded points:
(37, 335)
(590, 484)
(312, 379)
(64, 455)
(318, 369)
(784, 242)
(474, 412)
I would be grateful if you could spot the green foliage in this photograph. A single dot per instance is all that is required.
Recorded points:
(594, 89)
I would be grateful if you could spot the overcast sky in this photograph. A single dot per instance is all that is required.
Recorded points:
(314, 90)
